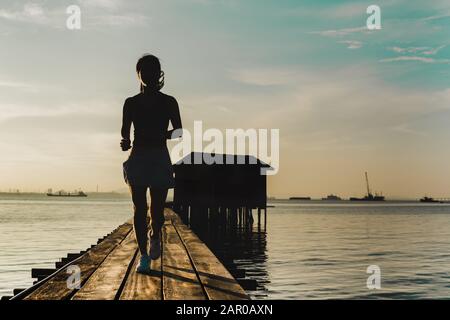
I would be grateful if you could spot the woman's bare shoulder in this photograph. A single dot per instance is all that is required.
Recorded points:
(133, 99)
(168, 98)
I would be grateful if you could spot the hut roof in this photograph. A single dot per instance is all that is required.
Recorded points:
(224, 159)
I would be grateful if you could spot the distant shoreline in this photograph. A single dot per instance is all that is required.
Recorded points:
(269, 199)
(44, 193)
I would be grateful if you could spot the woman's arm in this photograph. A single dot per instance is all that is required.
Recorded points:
(125, 144)
(175, 119)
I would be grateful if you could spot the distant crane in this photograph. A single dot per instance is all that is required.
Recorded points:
(369, 196)
(367, 184)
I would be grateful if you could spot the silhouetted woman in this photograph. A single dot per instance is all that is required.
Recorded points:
(149, 165)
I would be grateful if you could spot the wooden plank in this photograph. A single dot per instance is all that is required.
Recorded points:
(105, 282)
(56, 287)
(143, 286)
(218, 283)
(180, 281)
(17, 291)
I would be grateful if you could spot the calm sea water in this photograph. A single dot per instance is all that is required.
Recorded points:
(323, 251)
(310, 250)
(36, 231)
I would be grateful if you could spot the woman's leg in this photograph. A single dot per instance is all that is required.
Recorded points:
(139, 196)
(158, 197)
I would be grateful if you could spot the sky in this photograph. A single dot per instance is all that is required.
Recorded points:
(345, 99)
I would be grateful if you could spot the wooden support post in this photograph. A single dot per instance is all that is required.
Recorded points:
(214, 215)
(250, 215)
(193, 215)
(188, 212)
(223, 217)
(265, 218)
(247, 216)
(234, 218)
(198, 218)
(182, 211)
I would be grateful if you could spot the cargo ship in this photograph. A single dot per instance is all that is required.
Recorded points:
(369, 196)
(332, 197)
(430, 200)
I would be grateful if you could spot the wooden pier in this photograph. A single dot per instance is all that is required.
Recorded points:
(186, 270)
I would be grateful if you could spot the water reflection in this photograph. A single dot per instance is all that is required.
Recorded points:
(242, 248)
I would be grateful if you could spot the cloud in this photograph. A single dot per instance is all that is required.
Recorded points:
(352, 44)
(323, 104)
(339, 103)
(349, 10)
(111, 13)
(104, 4)
(434, 51)
(18, 108)
(329, 11)
(421, 54)
(263, 77)
(82, 124)
(416, 58)
(418, 50)
(341, 32)
(436, 17)
(408, 50)
(19, 86)
(405, 128)
(94, 13)
(119, 20)
(31, 13)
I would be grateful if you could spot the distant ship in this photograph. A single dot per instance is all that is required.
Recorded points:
(62, 193)
(332, 197)
(300, 198)
(369, 196)
(429, 200)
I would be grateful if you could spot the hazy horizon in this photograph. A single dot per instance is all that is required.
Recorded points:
(125, 192)
(346, 100)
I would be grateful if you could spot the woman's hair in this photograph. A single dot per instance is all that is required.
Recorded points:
(149, 68)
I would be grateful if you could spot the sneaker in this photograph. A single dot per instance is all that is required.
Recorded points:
(155, 248)
(144, 265)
